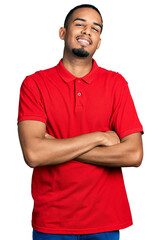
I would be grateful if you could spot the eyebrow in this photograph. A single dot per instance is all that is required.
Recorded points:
(83, 20)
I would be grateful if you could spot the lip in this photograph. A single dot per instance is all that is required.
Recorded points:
(85, 39)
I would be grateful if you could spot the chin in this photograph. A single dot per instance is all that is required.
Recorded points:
(80, 52)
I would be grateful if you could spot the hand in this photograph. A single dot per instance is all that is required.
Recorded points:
(110, 138)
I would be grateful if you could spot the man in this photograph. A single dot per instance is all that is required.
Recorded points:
(78, 126)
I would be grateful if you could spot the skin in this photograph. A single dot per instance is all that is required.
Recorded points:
(98, 148)
(87, 29)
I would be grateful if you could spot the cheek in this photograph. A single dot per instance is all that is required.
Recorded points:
(71, 37)
(95, 44)
(98, 43)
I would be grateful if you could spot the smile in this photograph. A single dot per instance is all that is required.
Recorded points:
(84, 41)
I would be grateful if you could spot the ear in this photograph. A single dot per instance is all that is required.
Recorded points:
(62, 32)
(99, 43)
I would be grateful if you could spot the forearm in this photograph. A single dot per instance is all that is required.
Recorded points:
(119, 155)
(40, 149)
(56, 151)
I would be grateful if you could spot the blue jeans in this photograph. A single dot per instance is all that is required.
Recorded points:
(114, 235)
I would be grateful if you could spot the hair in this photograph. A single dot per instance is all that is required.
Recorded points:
(66, 22)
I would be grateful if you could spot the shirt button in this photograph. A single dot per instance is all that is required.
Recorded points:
(79, 81)
(79, 94)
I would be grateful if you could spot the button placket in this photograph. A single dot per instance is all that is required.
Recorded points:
(78, 94)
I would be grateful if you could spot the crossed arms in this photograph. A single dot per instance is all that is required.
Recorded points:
(98, 148)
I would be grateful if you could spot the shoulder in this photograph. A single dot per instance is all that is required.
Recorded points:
(39, 77)
(115, 78)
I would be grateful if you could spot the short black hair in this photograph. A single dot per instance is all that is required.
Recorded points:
(77, 7)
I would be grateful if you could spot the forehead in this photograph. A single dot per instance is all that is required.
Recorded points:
(88, 14)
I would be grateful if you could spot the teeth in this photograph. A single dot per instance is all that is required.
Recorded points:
(83, 40)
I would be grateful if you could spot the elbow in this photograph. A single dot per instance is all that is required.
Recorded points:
(138, 158)
(31, 159)
(138, 163)
(31, 164)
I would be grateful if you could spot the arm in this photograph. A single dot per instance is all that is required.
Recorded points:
(128, 153)
(39, 149)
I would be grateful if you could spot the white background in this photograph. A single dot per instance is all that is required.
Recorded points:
(131, 45)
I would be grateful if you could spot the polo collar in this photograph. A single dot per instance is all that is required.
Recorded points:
(68, 77)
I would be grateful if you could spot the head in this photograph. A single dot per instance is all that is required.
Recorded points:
(81, 32)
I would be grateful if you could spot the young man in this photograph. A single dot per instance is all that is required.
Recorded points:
(78, 126)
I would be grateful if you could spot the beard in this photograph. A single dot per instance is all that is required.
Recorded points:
(80, 52)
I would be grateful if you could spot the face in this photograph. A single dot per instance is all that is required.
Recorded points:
(83, 32)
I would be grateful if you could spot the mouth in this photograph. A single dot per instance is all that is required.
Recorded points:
(84, 41)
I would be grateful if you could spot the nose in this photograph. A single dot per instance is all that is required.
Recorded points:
(86, 30)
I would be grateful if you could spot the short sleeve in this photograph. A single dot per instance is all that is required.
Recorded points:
(31, 105)
(124, 120)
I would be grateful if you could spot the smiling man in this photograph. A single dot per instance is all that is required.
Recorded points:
(78, 126)
(83, 40)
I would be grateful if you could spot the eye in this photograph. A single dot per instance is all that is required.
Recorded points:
(78, 24)
(95, 29)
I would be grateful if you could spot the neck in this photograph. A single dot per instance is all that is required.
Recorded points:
(77, 66)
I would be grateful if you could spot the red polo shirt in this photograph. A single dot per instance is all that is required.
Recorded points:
(75, 197)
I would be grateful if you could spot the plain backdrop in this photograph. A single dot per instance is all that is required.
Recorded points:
(131, 45)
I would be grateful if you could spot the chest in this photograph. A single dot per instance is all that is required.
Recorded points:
(78, 107)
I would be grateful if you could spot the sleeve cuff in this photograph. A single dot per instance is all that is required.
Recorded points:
(130, 131)
(36, 118)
